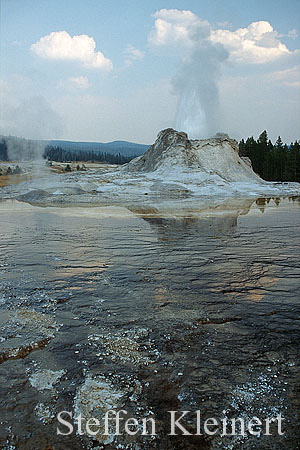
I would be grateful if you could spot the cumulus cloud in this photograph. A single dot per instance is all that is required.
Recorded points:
(59, 45)
(133, 54)
(257, 44)
(175, 27)
(75, 82)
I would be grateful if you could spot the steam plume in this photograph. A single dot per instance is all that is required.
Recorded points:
(197, 91)
(32, 118)
(24, 149)
(196, 81)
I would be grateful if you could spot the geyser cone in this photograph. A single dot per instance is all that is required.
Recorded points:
(174, 153)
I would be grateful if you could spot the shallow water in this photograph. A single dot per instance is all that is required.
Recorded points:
(160, 313)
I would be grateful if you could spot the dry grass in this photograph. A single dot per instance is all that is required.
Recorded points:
(60, 167)
(6, 180)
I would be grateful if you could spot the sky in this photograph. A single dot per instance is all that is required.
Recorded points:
(95, 70)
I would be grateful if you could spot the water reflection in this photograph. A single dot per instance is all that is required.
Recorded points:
(170, 229)
(171, 313)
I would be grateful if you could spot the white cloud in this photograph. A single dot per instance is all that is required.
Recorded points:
(16, 43)
(258, 43)
(288, 77)
(293, 34)
(75, 82)
(59, 45)
(133, 54)
(175, 27)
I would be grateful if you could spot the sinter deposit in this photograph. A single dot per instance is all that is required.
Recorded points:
(173, 151)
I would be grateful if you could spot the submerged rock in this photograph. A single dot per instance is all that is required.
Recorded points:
(94, 399)
(130, 346)
(46, 379)
(173, 151)
(24, 331)
(45, 413)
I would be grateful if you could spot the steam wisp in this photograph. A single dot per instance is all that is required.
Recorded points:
(197, 91)
(24, 149)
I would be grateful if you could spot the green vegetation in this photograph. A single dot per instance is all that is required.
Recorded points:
(3, 151)
(60, 155)
(279, 162)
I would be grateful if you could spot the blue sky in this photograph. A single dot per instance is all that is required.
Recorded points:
(120, 81)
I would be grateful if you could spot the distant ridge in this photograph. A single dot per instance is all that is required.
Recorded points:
(123, 147)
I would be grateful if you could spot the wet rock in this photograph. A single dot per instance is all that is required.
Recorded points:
(23, 350)
(45, 413)
(95, 398)
(46, 379)
(129, 346)
(24, 331)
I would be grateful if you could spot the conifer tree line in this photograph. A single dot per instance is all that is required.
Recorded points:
(279, 162)
(58, 154)
(3, 151)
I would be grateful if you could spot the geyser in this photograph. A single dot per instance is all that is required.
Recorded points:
(190, 114)
(197, 90)
(210, 159)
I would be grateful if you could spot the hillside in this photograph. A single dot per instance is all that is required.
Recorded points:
(115, 147)
(17, 148)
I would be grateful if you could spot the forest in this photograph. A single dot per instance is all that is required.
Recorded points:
(60, 155)
(279, 162)
(273, 162)
(3, 151)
